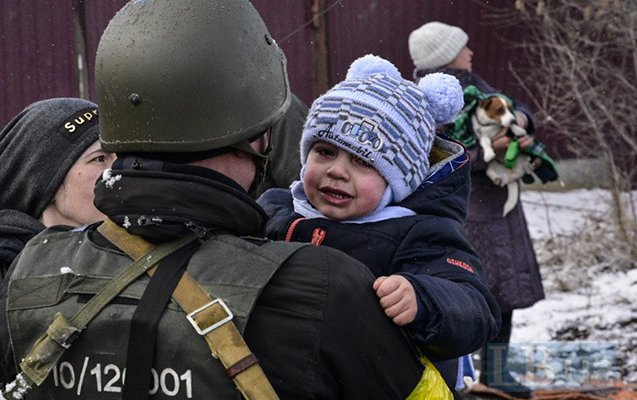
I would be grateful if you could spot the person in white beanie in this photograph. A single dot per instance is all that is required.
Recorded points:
(511, 267)
(368, 144)
(436, 44)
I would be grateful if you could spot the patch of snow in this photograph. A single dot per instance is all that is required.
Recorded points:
(110, 179)
(590, 301)
(66, 270)
(19, 387)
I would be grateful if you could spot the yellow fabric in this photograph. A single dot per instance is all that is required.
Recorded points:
(437, 154)
(431, 385)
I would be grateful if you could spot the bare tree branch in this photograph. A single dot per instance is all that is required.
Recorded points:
(581, 75)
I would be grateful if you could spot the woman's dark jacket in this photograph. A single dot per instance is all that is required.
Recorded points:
(456, 312)
(504, 243)
(16, 229)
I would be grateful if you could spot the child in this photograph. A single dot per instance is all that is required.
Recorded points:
(366, 148)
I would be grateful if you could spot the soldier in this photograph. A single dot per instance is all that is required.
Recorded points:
(187, 95)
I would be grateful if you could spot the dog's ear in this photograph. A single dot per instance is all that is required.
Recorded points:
(485, 103)
(493, 107)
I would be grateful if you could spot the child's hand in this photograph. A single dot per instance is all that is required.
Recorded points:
(397, 297)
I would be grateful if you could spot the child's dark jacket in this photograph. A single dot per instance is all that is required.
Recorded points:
(457, 314)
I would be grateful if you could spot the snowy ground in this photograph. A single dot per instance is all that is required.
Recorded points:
(585, 331)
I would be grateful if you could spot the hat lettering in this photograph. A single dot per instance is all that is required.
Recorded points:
(80, 120)
(69, 127)
(360, 151)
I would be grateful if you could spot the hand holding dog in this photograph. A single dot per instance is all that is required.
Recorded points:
(397, 297)
(501, 144)
(525, 141)
(521, 119)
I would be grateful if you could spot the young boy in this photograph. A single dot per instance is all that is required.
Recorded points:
(368, 189)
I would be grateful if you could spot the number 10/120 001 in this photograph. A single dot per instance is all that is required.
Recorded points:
(111, 378)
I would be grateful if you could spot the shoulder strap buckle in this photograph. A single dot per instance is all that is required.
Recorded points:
(213, 311)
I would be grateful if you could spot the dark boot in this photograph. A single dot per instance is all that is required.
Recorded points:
(494, 371)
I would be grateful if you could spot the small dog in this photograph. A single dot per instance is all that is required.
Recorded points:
(489, 117)
(489, 120)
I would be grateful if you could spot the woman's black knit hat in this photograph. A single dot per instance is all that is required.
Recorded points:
(39, 146)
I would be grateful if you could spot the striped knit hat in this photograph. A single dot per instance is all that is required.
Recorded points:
(386, 120)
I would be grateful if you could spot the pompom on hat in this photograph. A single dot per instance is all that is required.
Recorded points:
(386, 120)
(39, 146)
(436, 44)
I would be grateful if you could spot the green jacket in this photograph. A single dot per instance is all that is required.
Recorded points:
(460, 129)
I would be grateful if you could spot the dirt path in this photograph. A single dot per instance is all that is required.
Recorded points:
(619, 392)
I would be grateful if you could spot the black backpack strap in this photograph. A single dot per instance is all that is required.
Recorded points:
(143, 330)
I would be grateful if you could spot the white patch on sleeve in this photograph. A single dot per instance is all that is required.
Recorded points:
(66, 270)
(20, 387)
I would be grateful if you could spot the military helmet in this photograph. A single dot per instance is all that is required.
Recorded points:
(187, 76)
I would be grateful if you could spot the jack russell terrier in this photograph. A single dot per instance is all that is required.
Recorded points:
(492, 118)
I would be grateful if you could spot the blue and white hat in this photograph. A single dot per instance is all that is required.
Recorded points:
(386, 120)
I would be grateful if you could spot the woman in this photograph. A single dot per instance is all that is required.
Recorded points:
(504, 243)
(50, 159)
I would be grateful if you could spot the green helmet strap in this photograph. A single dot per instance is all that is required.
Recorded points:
(260, 162)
